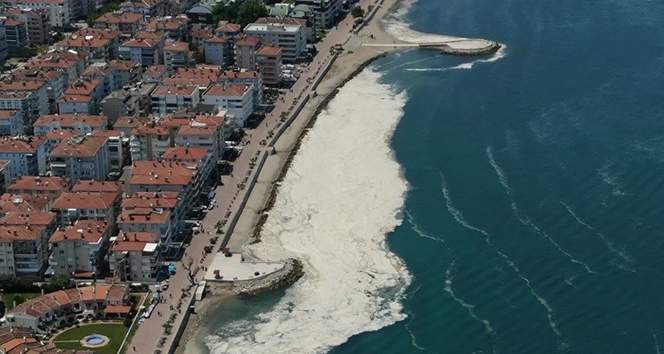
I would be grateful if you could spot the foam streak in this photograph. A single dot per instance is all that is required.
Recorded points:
(626, 259)
(524, 219)
(449, 278)
(458, 216)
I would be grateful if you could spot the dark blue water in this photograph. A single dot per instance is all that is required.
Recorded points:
(535, 220)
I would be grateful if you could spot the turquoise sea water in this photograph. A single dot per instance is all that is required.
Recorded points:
(534, 223)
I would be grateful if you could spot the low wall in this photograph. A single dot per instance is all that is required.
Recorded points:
(245, 198)
(181, 326)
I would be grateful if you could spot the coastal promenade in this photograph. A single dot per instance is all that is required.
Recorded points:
(150, 335)
(238, 199)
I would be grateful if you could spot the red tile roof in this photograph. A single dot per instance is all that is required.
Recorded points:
(86, 146)
(27, 145)
(85, 200)
(90, 231)
(71, 120)
(191, 154)
(268, 51)
(133, 241)
(227, 90)
(36, 183)
(96, 186)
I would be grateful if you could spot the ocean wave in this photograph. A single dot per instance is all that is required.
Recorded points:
(342, 195)
(499, 54)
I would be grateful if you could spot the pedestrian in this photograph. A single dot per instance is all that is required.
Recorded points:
(134, 347)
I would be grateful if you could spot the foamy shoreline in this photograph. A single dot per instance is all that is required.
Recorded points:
(349, 64)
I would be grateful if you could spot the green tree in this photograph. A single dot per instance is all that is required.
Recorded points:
(250, 10)
(17, 299)
(58, 282)
(357, 11)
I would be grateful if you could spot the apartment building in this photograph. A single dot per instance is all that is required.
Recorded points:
(149, 141)
(154, 74)
(147, 48)
(27, 155)
(127, 23)
(60, 12)
(215, 49)
(72, 206)
(39, 186)
(176, 28)
(203, 132)
(269, 62)
(326, 12)
(235, 99)
(116, 150)
(16, 34)
(79, 249)
(177, 55)
(134, 256)
(247, 77)
(33, 104)
(245, 52)
(152, 220)
(168, 99)
(291, 38)
(36, 22)
(81, 157)
(82, 96)
(100, 43)
(11, 122)
(131, 100)
(80, 123)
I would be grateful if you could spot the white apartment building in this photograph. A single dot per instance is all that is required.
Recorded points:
(235, 99)
(291, 38)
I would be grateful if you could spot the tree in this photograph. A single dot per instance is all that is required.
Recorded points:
(357, 11)
(251, 10)
(58, 282)
(17, 299)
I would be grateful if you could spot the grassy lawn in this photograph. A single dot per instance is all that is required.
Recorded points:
(114, 331)
(8, 298)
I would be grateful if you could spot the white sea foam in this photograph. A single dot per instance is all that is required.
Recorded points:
(625, 260)
(524, 219)
(499, 54)
(341, 196)
(611, 180)
(458, 216)
(449, 279)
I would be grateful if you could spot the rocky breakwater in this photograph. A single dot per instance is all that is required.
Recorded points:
(463, 46)
(284, 277)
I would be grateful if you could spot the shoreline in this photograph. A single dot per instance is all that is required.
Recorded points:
(355, 58)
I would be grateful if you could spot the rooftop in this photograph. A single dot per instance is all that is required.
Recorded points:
(85, 200)
(85, 146)
(90, 231)
(37, 183)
